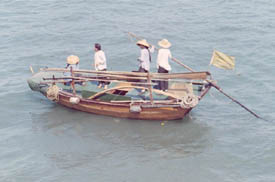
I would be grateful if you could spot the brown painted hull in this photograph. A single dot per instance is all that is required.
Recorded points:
(123, 110)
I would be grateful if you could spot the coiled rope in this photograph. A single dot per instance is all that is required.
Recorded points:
(52, 93)
(189, 101)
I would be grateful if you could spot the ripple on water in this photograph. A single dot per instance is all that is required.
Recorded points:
(218, 141)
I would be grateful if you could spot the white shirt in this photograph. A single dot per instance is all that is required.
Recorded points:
(163, 57)
(100, 60)
(145, 58)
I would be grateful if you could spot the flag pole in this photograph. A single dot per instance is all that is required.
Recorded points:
(212, 57)
(210, 82)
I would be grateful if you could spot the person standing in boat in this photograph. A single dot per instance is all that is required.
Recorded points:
(145, 56)
(72, 63)
(100, 63)
(164, 54)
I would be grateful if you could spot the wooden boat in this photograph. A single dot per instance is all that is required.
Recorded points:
(123, 98)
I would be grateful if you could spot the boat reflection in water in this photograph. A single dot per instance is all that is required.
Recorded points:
(62, 134)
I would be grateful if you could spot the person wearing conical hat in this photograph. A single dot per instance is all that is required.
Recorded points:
(144, 58)
(164, 54)
(100, 63)
(145, 55)
(72, 63)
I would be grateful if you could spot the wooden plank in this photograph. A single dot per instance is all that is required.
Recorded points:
(159, 105)
(138, 87)
(144, 101)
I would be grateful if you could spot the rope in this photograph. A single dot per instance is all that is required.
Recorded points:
(52, 93)
(189, 101)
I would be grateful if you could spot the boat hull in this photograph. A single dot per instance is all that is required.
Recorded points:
(123, 110)
(132, 106)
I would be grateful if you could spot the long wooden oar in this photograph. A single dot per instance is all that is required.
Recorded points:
(220, 90)
(210, 82)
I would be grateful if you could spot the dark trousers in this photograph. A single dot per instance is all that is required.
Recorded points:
(142, 70)
(162, 85)
(103, 83)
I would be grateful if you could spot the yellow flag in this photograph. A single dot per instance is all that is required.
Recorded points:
(222, 60)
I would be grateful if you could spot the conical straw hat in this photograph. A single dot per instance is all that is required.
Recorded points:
(72, 59)
(143, 42)
(164, 43)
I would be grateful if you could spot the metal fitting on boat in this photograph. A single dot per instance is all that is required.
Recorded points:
(74, 100)
(135, 108)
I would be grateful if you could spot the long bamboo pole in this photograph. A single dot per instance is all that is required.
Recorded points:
(210, 82)
(150, 88)
(83, 79)
(234, 100)
(98, 72)
(101, 77)
(191, 75)
(73, 84)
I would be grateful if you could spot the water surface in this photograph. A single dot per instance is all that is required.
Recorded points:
(218, 141)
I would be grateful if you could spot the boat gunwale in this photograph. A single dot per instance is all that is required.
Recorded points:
(127, 103)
